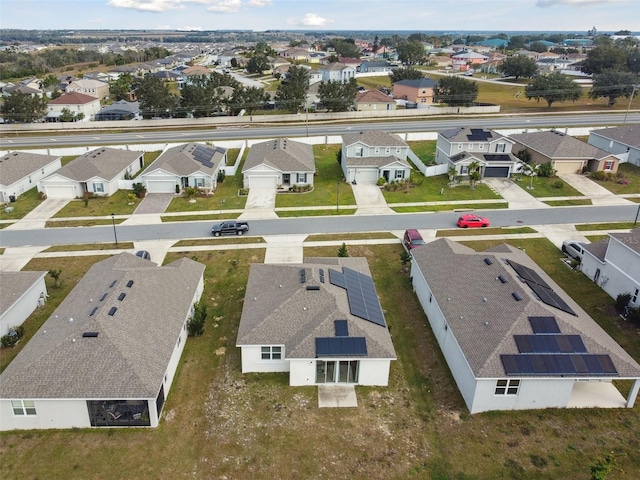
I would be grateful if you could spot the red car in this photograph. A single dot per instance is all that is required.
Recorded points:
(469, 220)
(412, 239)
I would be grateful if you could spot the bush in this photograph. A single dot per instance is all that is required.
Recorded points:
(634, 316)
(624, 181)
(546, 170)
(622, 301)
(221, 176)
(599, 175)
(558, 184)
(195, 324)
(301, 188)
(381, 181)
(139, 189)
(8, 340)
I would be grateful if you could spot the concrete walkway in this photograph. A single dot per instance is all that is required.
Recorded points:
(370, 200)
(597, 193)
(519, 198)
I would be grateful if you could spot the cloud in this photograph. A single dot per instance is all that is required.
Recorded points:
(314, 20)
(574, 3)
(189, 29)
(225, 6)
(259, 3)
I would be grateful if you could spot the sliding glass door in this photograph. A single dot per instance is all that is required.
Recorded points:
(337, 371)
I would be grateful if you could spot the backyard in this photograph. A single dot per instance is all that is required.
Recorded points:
(218, 423)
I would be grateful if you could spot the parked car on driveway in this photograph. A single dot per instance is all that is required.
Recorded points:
(143, 254)
(573, 249)
(412, 239)
(469, 220)
(230, 227)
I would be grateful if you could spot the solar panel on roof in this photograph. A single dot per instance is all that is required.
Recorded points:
(341, 346)
(361, 293)
(550, 344)
(561, 364)
(341, 328)
(544, 325)
(337, 278)
(528, 274)
(478, 134)
(203, 155)
(551, 298)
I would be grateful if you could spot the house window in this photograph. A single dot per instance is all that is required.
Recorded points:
(481, 146)
(471, 146)
(608, 165)
(634, 297)
(302, 178)
(271, 353)
(359, 151)
(199, 182)
(23, 407)
(507, 387)
(459, 146)
(387, 150)
(398, 150)
(464, 170)
(500, 147)
(399, 174)
(98, 188)
(377, 150)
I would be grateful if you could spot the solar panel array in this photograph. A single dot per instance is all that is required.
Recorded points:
(544, 292)
(569, 364)
(361, 292)
(542, 325)
(478, 135)
(341, 346)
(550, 344)
(497, 157)
(203, 155)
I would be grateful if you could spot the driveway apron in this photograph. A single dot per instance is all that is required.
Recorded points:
(598, 194)
(518, 197)
(370, 200)
(261, 203)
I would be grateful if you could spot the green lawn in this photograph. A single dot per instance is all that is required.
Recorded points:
(315, 213)
(427, 189)
(631, 173)
(23, 205)
(424, 150)
(447, 206)
(548, 187)
(484, 231)
(117, 203)
(327, 183)
(585, 227)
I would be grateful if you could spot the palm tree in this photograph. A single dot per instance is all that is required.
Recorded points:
(474, 173)
(453, 174)
(530, 170)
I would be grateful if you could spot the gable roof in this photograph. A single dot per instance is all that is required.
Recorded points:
(280, 310)
(483, 315)
(17, 165)
(189, 158)
(373, 96)
(554, 144)
(418, 83)
(73, 98)
(88, 83)
(373, 138)
(14, 284)
(628, 134)
(281, 154)
(130, 355)
(472, 134)
(630, 239)
(375, 161)
(102, 162)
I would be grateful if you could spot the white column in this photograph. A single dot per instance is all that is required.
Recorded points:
(631, 399)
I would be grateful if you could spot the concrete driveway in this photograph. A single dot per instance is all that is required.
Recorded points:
(518, 197)
(261, 203)
(37, 217)
(370, 200)
(598, 194)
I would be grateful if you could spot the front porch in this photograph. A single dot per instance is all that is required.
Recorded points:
(600, 395)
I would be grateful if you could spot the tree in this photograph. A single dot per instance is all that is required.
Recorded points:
(604, 57)
(55, 274)
(405, 257)
(120, 89)
(633, 60)
(518, 66)
(342, 251)
(248, 99)
(338, 96)
(474, 173)
(612, 84)
(411, 53)
(524, 155)
(292, 92)
(344, 47)
(155, 98)
(538, 47)
(456, 91)
(23, 108)
(555, 87)
(530, 170)
(408, 73)
(258, 64)
(67, 115)
(195, 324)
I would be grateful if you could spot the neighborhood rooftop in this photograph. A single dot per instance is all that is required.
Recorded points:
(102, 163)
(15, 165)
(556, 144)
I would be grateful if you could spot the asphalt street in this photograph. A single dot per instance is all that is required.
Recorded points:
(310, 225)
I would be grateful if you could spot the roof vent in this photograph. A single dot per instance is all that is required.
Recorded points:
(130, 283)
(488, 261)
(313, 287)
(517, 296)
(121, 296)
(104, 295)
(112, 311)
(90, 334)
(112, 284)
(502, 279)
(484, 300)
(93, 312)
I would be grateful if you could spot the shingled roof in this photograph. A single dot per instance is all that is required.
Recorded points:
(17, 165)
(187, 159)
(104, 162)
(14, 284)
(281, 154)
(627, 134)
(555, 145)
(374, 138)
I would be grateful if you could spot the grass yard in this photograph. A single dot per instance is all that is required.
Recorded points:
(631, 173)
(23, 205)
(427, 189)
(458, 207)
(315, 213)
(568, 203)
(548, 187)
(328, 187)
(117, 203)
(461, 232)
(90, 246)
(424, 150)
(372, 83)
(218, 423)
(196, 218)
(585, 227)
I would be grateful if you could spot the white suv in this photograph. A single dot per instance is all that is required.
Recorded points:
(573, 249)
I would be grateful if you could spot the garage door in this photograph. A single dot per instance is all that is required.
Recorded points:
(567, 167)
(263, 182)
(493, 172)
(367, 176)
(59, 191)
(161, 186)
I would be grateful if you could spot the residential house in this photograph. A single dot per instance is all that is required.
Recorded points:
(374, 100)
(466, 60)
(20, 294)
(30, 86)
(512, 338)
(369, 155)
(566, 153)
(320, 321)
(97, 172)
(613, 264)
(279, 163)
(295, 54)
(419, 91)
(79, 104)
(546, 65)
(337, 72)
(376, 66)
(108, 355)
(120, 110)
(623, 142)
(188, 165)
(21, 171)
(460, 147)
(88, 86)
(350, 62)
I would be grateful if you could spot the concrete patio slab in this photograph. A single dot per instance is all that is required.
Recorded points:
(337, 396)
(595, 395)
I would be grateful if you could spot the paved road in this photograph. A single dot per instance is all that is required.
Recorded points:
(315, 129)
(309, 225)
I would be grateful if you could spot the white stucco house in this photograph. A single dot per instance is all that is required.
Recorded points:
(21, 171)
(76, 103)
(280, 163)
(188, 165)
(511, 337)
(20, 294)
(614, 264)
(321, 321)
(108, 354)
(623, 142)
(97, 172)
(373, 154)
(337, 72)
(459, 147)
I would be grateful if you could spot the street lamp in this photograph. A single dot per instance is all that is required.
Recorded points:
(630, 100)
(337, 197)
(113, 222)
(637, 213)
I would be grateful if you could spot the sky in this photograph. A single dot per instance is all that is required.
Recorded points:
(335, 15)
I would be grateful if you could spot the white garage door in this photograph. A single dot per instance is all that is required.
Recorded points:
(369, 175)
(263, 182)
(59, 191)
(161, 186)
(568, 167)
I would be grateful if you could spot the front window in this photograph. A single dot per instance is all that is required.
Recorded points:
(470, 147)
(23, 407)
(377, 150)
(302, 178)
(634, 297)
(608, 165)
(98, 188)
(500, 147)
(399, 174)
(271, 353)
(507, 387)
(199, 182)
(387, 150)
(464, 170)
(359, 151)
(459, 146)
